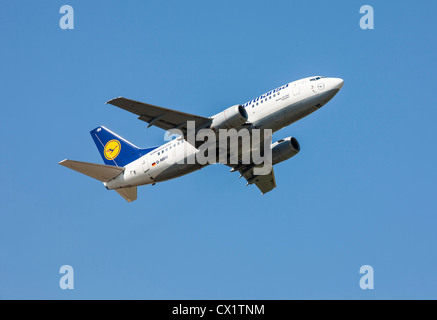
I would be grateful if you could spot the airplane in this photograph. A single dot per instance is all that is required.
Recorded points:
(128, 166)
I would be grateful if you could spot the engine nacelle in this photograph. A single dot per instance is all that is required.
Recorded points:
(232, 117)
(284, 149)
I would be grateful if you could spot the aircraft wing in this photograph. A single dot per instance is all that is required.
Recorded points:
(265, 183)
(157, 116)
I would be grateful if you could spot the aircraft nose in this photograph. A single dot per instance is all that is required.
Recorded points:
(337, 83)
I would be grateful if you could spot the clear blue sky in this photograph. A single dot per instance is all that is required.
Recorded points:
(362, 190)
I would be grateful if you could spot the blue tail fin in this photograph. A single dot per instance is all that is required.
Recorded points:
(115, 150)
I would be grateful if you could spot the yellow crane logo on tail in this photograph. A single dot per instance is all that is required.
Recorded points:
(112, 149)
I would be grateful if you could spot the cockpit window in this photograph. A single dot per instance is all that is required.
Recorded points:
(316, 78)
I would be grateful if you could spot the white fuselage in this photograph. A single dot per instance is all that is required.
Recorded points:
(274, 110)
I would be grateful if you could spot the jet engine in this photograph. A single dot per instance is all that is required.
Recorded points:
(284, 149)
(232, 117)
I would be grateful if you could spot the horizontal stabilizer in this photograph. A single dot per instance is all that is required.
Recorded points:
(129, 194)
(100, 172)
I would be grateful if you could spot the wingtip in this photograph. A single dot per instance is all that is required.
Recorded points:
(112, 100)
(61, 162)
